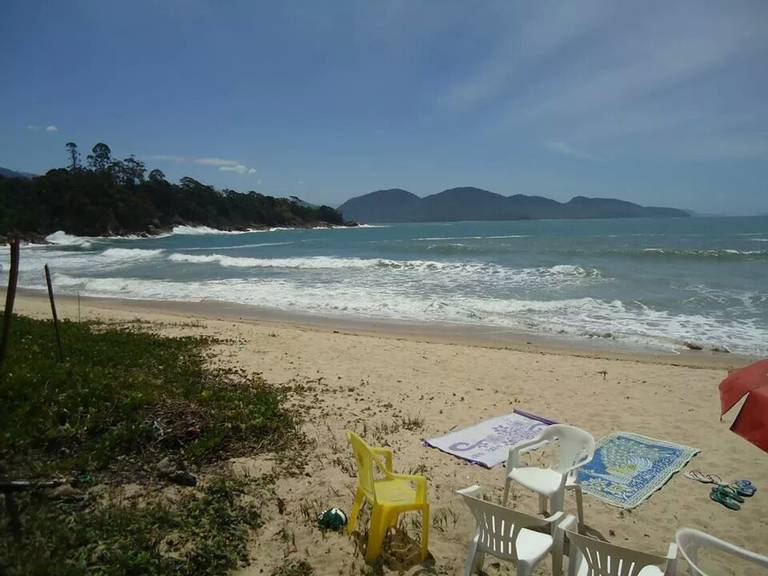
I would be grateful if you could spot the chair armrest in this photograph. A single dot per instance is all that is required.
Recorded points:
(513, 460)
(419, 481)
(555, 519)
(475, 491)
(387, 454)
(578, 465)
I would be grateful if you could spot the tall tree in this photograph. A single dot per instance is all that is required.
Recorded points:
(100, 158)
(134, 170)
(74, 157)
(157, 175)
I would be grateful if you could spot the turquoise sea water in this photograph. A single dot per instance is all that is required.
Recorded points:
(650, 283)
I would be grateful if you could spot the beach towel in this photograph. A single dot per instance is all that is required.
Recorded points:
(628, 468)
(488, 442)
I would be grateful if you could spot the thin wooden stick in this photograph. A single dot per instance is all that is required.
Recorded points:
(10, 298)
(53, 311)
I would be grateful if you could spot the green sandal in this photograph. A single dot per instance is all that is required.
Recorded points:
(724, 496)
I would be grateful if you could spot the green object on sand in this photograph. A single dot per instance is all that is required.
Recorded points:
(724, 496)
(332, 519)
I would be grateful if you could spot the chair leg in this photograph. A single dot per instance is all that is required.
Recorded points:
(558, 501)
(506, 492)
(579, 508)
(424, 532)
(376, 534)
(524, 569)
(359, 498)
(542, 504)
(474, 562)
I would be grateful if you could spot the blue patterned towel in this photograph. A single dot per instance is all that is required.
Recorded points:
(628, 468)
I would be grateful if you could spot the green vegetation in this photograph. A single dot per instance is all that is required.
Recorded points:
(124, 391)
(122, 400)
(204, 533)
(115, 197)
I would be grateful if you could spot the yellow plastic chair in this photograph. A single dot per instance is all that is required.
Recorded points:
(388, 496)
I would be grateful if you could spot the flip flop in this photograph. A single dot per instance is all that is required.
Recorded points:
(722, 497)
(745, 488)
(732, 492)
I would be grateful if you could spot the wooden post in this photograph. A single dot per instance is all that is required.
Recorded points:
(53, 311)
(10, 298)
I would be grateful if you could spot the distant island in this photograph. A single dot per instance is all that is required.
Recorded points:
(468, 203)
(110, 197)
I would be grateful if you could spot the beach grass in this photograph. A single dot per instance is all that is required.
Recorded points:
(125, 392)
(122, 400)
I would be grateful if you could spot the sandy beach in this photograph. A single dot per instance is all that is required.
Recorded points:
(399, 385)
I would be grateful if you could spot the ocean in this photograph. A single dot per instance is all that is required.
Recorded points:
(649, 284)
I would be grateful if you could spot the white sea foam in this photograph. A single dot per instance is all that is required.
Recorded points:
(577, 317)
(129, 254)
(206, 230)
(61, 238)
(479, 269)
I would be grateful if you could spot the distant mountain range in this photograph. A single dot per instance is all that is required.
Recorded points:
(8, 173)
(397, 205)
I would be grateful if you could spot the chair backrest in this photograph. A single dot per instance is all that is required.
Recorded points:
(498, 527)
(576, 445)
(605, 559)
(366, 464)
(690, 541)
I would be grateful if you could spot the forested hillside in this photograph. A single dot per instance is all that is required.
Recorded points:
(107, 197)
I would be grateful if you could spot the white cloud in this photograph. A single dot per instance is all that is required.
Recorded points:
(568, 150)
(223, 164)
(239, 168)
(36, 128)
(217, 162)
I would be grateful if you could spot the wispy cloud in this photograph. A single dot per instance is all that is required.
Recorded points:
(223, 164)
(622, 77)
(564, 148)
(49, 128)
(217, 162)
(238, 168)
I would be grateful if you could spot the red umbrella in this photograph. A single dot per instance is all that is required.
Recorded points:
(752, 421)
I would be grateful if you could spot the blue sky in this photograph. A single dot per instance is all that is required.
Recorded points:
(662, 103)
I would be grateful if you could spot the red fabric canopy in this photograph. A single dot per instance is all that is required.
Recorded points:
(752, 421)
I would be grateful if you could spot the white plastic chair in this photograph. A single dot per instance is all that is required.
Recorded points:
(590, 557)
(577, 447)
(690, 541)
(506, 534)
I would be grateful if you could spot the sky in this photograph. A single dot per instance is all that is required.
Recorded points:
(656, 102)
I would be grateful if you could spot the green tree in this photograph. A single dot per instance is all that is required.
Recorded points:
(101, 157)
(156, 175)
(74, 157)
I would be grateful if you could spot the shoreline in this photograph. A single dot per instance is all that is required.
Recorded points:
(428, 332)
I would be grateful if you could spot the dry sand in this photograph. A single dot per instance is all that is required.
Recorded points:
(400, 388)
